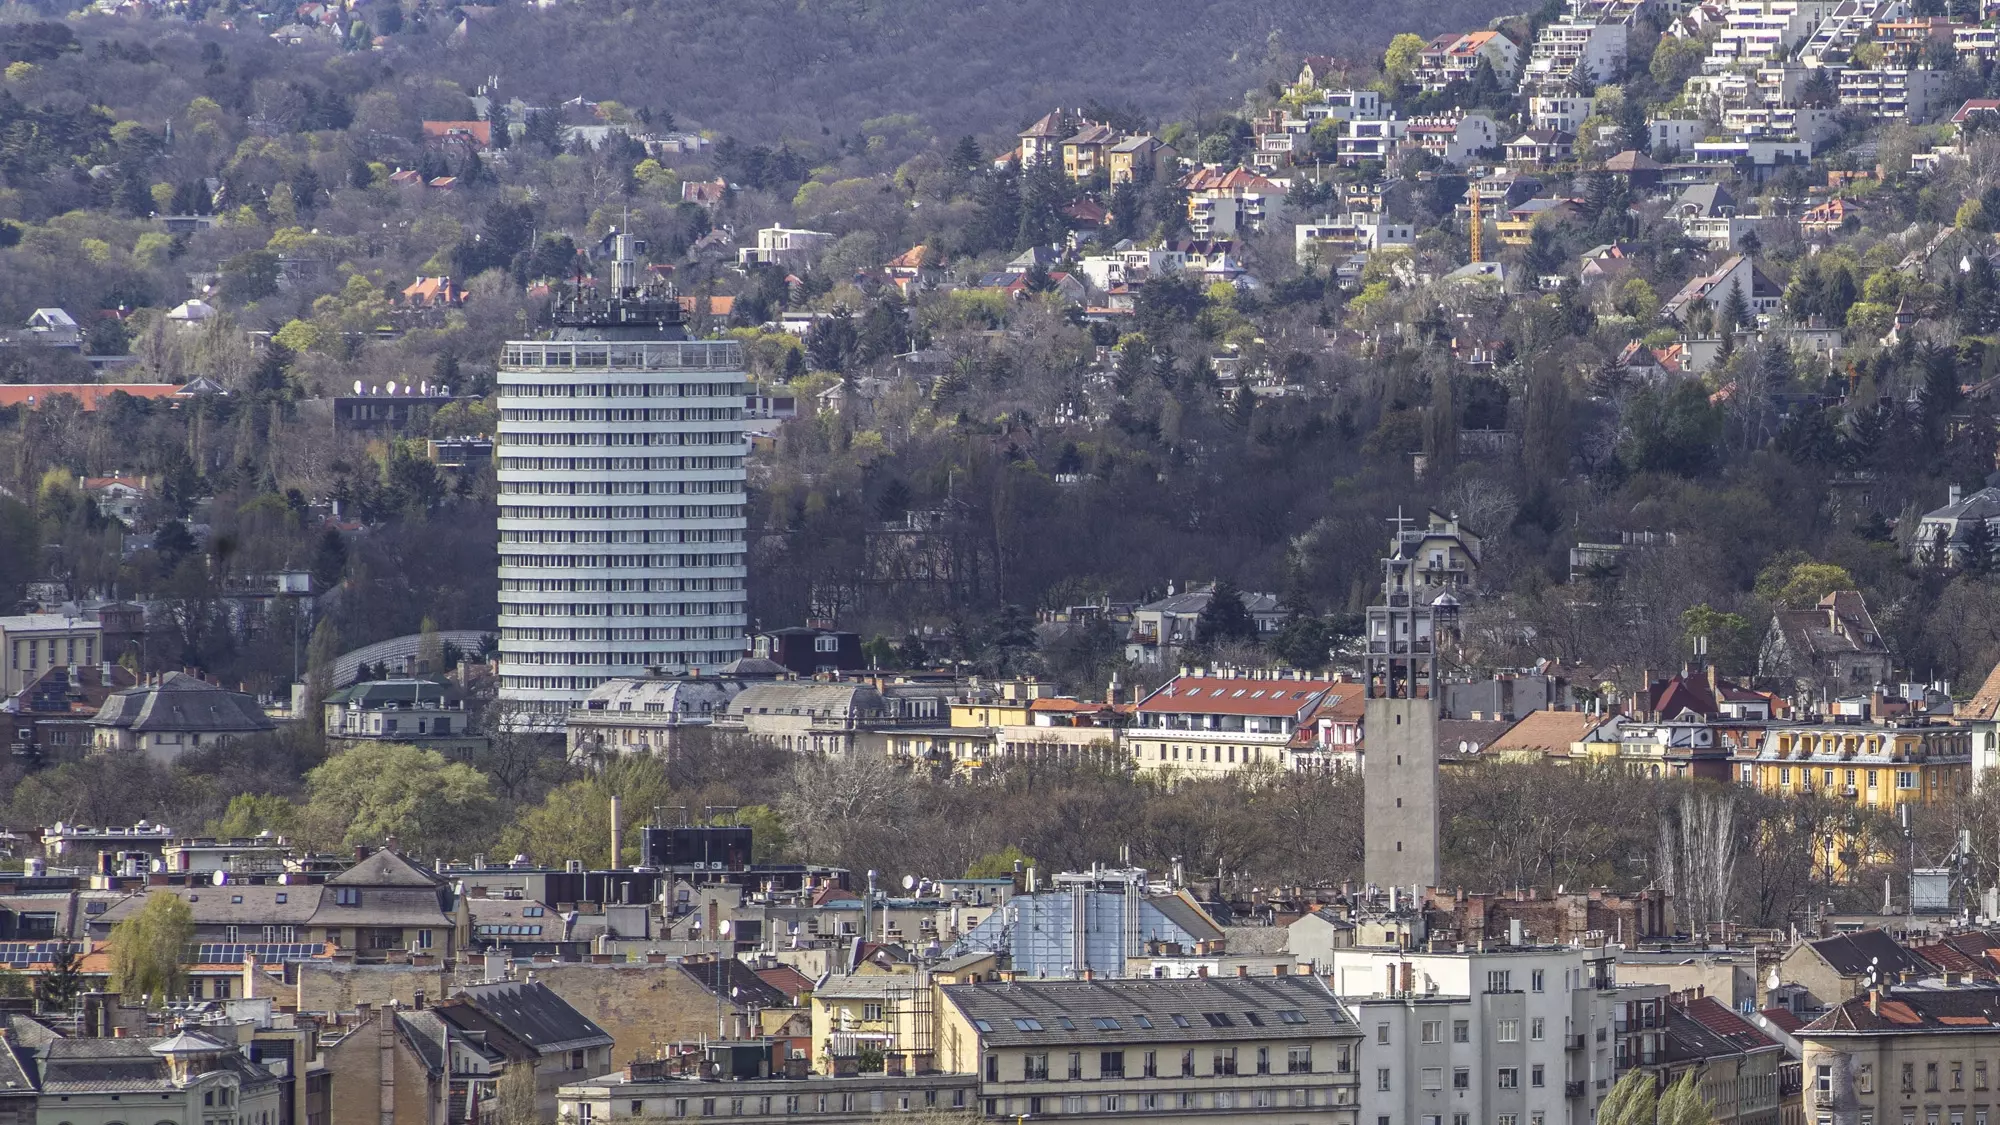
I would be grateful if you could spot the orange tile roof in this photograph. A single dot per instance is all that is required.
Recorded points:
(1549, 732)
(1343, 702)
(89, 394)
(1895, 1011)
(478, 132)
(717, 305)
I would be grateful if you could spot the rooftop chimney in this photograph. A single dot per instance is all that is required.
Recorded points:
(617, 832)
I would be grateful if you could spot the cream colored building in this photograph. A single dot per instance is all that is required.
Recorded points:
(36, 642)
(1206, 725)
(1914, 1055)
(1234, 1049)
(892, 1015)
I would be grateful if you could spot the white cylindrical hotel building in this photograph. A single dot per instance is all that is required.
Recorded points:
(621, 469)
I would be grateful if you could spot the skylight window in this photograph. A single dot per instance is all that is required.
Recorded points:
(982, 1025)
(1180, 1020)
(1105, 1023)
(1291, 1015)
(1218, 1019)
(1029, 1024)
(1255, 1019)
(1144, 1022)
(1066, 1022)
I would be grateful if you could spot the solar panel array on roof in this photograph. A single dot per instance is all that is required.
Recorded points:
(13, 953)
(226, 953)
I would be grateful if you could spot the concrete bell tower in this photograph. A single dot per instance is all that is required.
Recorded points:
(1400, 765)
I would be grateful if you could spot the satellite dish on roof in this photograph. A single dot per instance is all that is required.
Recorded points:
(221, 878)
(1774, 979)
(722, 928)
(357, 386)
(392, 386)
(909, 882)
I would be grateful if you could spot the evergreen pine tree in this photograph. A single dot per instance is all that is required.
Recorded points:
(999, 211)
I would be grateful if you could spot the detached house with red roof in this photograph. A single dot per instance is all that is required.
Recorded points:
(1225, 202)
(1453, 57)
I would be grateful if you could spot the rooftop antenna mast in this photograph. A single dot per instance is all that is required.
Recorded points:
(1478, 228)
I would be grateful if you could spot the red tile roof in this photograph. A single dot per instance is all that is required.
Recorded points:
(1215, 695)
(478, 132)
(1784, 1019)
(1716, 1017)
(785, 979)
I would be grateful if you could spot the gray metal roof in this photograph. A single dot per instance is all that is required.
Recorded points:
(373, 694)
(536, 1015)
(74, 1066)
(1981, 505)
(180, 702)
(1210, 1009)
(827, 700)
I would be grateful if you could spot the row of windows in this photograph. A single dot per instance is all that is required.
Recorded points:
(1154, 1102)
(594, 562)
(615, 585)
(1535, 1118)
(1172, 753)
(643, 414)
(633, 355)
(616, 464)
(676, 535)
(620, 609)
(75, 650)
(699, 633)
(625, 659)
(1504, 1030)
(1931, 1117)
(573, 438)
(626, 512)
(1432, 1078)
(1111, 1064)
(1905, 779)
(1953, 1073)
(848, 1101)
(617, 487)
(587, 683)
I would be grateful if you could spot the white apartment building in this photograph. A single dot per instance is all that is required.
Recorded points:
(1562, 113)
(1754, 32)
(1343, 105)
(1845, 26)
(1333, 239)
(620, 458)
(1371, 138)
(1891, 94)
(1677, 132)
(783, 246)
(1455, 138)
(1575, 44)
(1531, 1035)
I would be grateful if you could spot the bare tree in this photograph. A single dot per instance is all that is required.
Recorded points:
(1696, 860)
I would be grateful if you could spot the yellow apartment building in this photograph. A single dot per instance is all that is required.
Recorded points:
(1876, 767)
